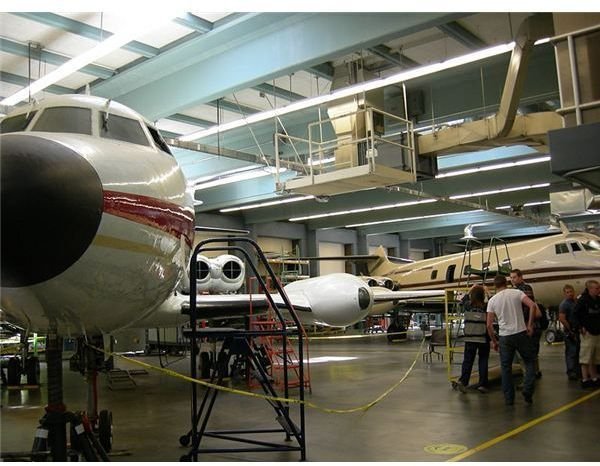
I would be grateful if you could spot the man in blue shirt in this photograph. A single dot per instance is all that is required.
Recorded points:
(566, 316)
(587, 311)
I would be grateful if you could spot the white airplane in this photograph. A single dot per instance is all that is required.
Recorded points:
(547, 264)
(97, 229)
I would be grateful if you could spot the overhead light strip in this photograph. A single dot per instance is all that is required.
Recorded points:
(241, 176)
(114, 42)
(267, 203)
(498, 166)
(527, 204)
(356, 89)
(365, 209)
(406, 219)
(500, 191)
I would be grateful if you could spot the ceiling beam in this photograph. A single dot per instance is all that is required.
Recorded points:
(23, 81)
(274, 43)
(395, 58)
(462, 35)
(278, 92)
(85, 30)
(194, 22)
(23, 50)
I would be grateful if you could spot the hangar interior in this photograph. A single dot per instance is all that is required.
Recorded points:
(331, 134)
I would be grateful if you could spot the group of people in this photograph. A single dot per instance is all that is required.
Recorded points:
(518, 319)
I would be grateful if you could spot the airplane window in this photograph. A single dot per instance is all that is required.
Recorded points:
(561, 248)
(16, 123)
(575, 247)
(122, 129)
(158, 140)
(65, 120)
(450, 273)
(433, 274)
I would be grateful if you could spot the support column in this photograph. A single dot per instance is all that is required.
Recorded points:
(312, 250)
(56, 409)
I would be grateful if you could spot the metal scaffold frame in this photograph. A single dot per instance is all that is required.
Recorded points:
(240, 342)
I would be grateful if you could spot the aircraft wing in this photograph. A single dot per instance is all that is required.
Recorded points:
(381, 294)
(233, 305)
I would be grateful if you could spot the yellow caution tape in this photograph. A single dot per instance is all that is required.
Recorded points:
(309, 404)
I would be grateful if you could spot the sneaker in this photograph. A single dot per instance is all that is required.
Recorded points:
(461, 387)
(596, 383)
(572, 376)
(482, 389)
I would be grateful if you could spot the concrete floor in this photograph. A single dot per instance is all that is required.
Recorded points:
(423, 411)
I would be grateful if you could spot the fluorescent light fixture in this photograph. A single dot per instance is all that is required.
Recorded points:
(527, 204)
(140, 26)
(244, 175)
(267, 203)
(497, 166)
(355, 89)
(406, 219)
(499, 191)
(365, 209)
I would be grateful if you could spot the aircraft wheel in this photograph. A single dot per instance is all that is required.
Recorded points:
(14, 371)
(550, 336)
(32, 370)
(184, 440)
(105, 435)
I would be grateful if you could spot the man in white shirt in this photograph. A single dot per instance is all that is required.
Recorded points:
(515, 335)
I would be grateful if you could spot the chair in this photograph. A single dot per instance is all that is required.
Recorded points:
(438, 338)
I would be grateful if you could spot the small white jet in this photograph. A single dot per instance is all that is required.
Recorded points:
(547, 264)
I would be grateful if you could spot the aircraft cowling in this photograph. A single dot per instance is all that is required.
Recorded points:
(384, 282)
(222, 274)
(337, 300)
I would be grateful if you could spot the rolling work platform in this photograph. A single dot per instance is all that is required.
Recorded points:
(238, 343)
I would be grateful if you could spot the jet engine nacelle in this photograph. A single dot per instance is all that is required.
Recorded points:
(222, 274)
(384, 282)
(338, 299)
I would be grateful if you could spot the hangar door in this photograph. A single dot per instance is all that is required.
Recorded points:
(331, 249)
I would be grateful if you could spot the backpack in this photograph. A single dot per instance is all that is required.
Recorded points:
(543, 322)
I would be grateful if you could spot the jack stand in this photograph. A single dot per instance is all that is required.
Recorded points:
(51, 435)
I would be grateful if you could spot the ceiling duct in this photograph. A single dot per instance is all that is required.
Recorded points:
(572, 202)
(505, 126)
(348, 123)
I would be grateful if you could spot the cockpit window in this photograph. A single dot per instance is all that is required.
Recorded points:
(561, 248)
(122, 129)
(65, 120)
(591, 245)
(575, 247)
(16, 123)
(158, 140)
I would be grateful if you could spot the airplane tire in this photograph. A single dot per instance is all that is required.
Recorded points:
(32, 370)
(105, 435)
(184, 440)
(14, 371)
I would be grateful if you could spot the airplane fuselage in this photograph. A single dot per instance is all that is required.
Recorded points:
(143, 228)
(547, 263)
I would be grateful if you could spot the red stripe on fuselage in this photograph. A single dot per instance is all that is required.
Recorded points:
(166, 216)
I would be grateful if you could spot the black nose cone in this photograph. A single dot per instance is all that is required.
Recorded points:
(51, 201)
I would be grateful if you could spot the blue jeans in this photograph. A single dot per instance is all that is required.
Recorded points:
(523, 344)
(572, 354)
(469, 358)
